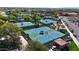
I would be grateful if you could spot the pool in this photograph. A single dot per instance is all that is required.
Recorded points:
(46, 36)
(24, 24)
(48, 21)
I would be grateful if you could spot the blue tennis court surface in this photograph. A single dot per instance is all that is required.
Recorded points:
(46, 36)
(47, 21)
(24, 24)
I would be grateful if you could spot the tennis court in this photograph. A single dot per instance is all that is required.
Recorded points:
(43, 34)
(24, 24)
(47, 21)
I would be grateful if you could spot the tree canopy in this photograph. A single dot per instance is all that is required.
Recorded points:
(27, 17)
(10, 33)
(12, 17)
(3, 17)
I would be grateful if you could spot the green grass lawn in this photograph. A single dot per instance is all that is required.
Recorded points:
(73, 47)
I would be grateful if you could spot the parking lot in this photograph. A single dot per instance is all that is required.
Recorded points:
(72, 26)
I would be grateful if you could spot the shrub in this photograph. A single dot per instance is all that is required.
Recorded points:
(36, 46)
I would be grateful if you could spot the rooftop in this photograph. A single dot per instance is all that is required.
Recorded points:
(60, 42)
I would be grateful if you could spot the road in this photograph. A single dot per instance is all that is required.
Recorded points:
(74, 27)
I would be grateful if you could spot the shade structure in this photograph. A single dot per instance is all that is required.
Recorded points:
(60, 42)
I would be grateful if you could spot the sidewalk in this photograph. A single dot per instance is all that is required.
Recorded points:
(24, 43)
(74, 39)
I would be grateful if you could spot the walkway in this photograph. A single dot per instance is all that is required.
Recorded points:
(76, 29)
(24, 43)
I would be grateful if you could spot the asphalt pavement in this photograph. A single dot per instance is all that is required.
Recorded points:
(74, 27)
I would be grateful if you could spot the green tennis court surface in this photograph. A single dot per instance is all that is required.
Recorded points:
(43, 34)
(24, 24)
(48, 21)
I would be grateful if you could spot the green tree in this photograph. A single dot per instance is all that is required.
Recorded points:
(36, 18)
(3, 18)
(12, 17)
(27, 17)
(11, 34)
(12, 14)
(1, 22)
(35, 46)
